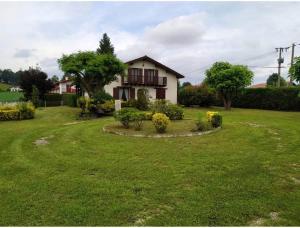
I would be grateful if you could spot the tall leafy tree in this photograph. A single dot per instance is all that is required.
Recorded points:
(35, 77)
(105, 46)
(272, 81)
(93, 70)
(294, 70)
(55, 79)
(227, 79)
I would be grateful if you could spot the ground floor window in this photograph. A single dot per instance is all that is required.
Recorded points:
(124, 93)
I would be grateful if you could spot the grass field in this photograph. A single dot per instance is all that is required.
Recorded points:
(246, 174)
(10, 96)
(4, 87)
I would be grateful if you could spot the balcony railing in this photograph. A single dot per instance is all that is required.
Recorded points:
(144, 80)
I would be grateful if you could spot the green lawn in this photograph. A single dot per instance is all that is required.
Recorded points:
(247, 173)
(4, 86)
(10, 96)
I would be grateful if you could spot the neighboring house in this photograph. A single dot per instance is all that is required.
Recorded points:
(260, 85)
(145, 73)
(15, 89)
(64, 86)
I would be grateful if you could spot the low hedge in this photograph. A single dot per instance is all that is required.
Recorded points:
(269, 98)
(20, 111)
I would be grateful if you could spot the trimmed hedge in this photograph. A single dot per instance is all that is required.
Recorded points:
(56, 99)
(69, 99)
(269, 98)
(197, 95)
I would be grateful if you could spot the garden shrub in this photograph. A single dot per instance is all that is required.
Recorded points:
(197, 95)
(26, 110)
(214, 118)
(20, 111)
(160, 121)
(209, 115)
(108, 106)
(174, 112)
(101, 96)
(202, 125)
(125, 116)
(12, 114)
(86, 104)
(138, 120)
(131, 103)
(142, 102)
(148, 115)
(69, 99)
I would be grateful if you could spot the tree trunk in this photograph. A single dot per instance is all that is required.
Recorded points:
(227, 103)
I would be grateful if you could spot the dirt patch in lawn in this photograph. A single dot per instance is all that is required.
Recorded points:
(72, 123)
(43, 140)
(145, 216)
(273, 216)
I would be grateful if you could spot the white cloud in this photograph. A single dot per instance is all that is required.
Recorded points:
(188, 40)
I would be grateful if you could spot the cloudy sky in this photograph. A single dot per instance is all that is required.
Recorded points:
(187, 36)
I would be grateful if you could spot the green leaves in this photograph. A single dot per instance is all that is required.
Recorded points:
(227, 79)
(94, 70)
(294, 70)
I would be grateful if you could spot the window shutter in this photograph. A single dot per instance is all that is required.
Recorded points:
(160, 93)
(132, 93)
(129, 71)
(156, 72)
(116, 93)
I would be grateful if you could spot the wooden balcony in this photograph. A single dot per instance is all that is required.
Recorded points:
(144, 80)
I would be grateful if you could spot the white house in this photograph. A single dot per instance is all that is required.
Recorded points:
(146, 73)
(15, 89)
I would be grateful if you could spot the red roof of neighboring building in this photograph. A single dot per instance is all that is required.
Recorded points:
(259, 85)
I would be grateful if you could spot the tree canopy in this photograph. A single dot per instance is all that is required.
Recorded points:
(34, 78)
(227, 79)
(294, 70)
(105, 46)
(272, 81)
(93, 70)
(55, 79)
(10, 77)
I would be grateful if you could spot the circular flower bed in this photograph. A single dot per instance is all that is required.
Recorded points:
(178, 128)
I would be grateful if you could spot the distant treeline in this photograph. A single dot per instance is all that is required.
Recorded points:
(9, 77)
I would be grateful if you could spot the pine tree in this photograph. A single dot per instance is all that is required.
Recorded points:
(105, 46)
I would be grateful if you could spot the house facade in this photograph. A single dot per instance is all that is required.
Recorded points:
(64, 86)
(146, 73)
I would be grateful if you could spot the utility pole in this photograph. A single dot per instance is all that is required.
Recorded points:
(280, 61)
(292, 61)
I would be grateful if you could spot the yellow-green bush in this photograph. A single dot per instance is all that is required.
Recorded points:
(108, 106)
(215, 118)
(160, 121)
(18, 111)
